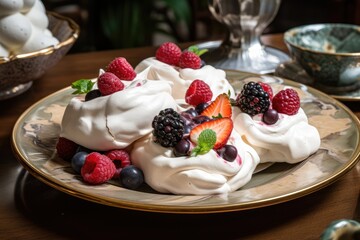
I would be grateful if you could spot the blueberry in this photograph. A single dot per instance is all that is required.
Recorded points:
(201, 107)
(201, 119)
(78, 160)
(92, 94)
(186, 115)
(131, 177)
(186, 118)
(192, 112)
(228, 152)
(182, 148)
(271, 116)
(188, 127)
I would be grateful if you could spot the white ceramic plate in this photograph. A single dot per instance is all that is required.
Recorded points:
(36, 132)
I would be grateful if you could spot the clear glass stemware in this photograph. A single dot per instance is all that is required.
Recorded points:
(242, 48)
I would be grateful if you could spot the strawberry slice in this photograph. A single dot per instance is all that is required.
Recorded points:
(222, 128)
(221, 107)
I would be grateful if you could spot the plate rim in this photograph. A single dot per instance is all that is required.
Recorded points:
(334, 96)
(162, 208)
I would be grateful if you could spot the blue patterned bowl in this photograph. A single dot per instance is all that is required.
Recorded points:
(330, 54)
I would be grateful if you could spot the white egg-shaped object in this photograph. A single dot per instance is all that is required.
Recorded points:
(37, 41)
(3, 51)
(15, 30)
(8, 7)
(28, 4)
(37, 16)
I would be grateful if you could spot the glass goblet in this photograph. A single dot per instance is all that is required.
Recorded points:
(242, 49)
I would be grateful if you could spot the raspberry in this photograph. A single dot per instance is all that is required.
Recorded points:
(120, 158)
(267, 88)
(66, 148)
(168, 53)
(189, 60)
(121, 68)
(198, 92)
(97, 168)
(286, 101)
(108, 83)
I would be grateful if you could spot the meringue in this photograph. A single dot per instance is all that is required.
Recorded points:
(291, 139)
(203, 174)
(182, 78)
(117, 120)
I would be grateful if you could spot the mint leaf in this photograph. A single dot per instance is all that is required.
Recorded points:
(233, 102)
(206, 142)
(196, 50)
(201, 52)
(82, 86)
(193, 49)
(218, 116)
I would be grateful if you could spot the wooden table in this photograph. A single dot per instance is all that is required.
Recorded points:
(31, 210)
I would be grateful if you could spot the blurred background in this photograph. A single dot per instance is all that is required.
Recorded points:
(109, 24)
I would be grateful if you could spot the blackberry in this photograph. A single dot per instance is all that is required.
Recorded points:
(168, 127)
(253, 99)
(92, 95)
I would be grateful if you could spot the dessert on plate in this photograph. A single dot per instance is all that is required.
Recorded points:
(280, 133)
(182, 77)
(177, 125)
(116, 120)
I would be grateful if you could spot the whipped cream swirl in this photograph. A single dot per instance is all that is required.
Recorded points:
(182, 78)
(291, 139)
(203, 174)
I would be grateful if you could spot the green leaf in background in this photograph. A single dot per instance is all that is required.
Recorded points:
(206, 142)
(133, 23)
(82, 86)
(127, 23)
(181, 9)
